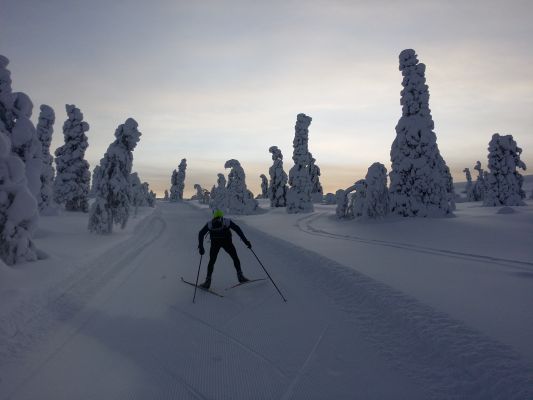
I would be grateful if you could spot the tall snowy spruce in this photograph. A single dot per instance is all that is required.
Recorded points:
(219, 198)
(174, 187)
(264, 186)
(45, 129)
(114, 194)
(278, 179)
(299, 194)
(420, 182)
(376, 204)
(240, 199)
(469, 189)
(480, 187)
(18, 206)
(71, 186)
(166, 198)
(317, 193)
(504, 182)
(178, 182)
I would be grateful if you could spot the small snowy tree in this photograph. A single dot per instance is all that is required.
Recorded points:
(71, 186)
(219, 198)
(199, 192)
(317, 193)
(264, 186)
(18, 207)
(278, 179)
(166, 195)
(376, 202)
(151, 199)
(420, 182)
(329, 198)
(480, 186)
(469, 189)
(113, 194)
(344, 202)
(240, 199)
(180, 179)
(137, 195)
(174, 196)
(45, 129)
(299, 194)
(504, 182)
(358, 200)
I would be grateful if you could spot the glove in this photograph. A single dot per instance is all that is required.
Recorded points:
(201, 250)
(248, 244)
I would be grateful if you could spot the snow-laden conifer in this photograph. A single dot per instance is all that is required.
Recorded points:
(166, 198)
(94, 181)
(420, 182)
(151, 198)
(18, 207)
(469, 189)
(344, 202)
(278, 179)
(358, 200)
(6, 98)
(504, 182)
(219, 198)
(240, 199)
(329, 198)
(174, 187)
(199, 195)
(137, 196)
(299, 194)
(113, 194)
(480, 187)
(264, 186)
(71, 186)
(376, 203)
(317, 193)
(45, 129)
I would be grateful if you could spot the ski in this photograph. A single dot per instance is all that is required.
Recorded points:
(244, 283)
(201, 288)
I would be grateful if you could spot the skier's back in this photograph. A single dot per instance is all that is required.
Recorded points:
(219, 229)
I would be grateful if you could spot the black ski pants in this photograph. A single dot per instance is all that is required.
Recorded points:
(228, 246)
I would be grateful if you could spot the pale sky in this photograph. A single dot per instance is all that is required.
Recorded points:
(215, 80)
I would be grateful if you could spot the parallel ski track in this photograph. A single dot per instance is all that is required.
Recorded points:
(305, 225)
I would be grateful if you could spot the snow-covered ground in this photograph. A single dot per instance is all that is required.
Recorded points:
(399, 308)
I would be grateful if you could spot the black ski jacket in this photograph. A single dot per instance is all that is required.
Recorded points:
(220, 230)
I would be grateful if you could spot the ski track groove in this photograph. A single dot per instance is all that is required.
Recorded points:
(233, 340)
(310, 230)
(288, 393)
(35, 318)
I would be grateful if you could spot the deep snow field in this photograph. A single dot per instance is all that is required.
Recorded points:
(391, 309)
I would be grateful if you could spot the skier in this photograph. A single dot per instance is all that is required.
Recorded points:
(219, 231)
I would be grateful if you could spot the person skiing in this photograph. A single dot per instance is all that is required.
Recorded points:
(220, 233)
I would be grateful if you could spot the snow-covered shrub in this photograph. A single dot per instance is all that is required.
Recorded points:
(480, 187)
(45, 129)
(264, 186)
(219, 198)
(420, 182)
(504, 182)
(278, 179)
(329, 198)
(71, 186)
(166, 198)
(18, 207)
(317, 193)
(469, 189)
(376, 203)
(240, 199)
(113, 194)
(299, 194)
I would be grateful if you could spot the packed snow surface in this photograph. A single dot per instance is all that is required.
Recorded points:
(387, 309)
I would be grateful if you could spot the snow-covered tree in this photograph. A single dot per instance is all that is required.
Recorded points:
(137, 196)
(278, 179)
(219, 198)
(345, 202)
(264, 186)
(420, 182)
(376, 202)
(94, 181)
(469, 189)
(18, 206)
(358, 200)
(317, 193)
(166, 195)
(240, 199)
(299, 194)
(329, 198)
(174, 187)
(199, 192)
(71, 186)
(45, 129)
(480, 187)
(151, 198)
(113, 194)
(504, 182)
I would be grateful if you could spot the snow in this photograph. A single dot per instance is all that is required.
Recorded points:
(392, 308)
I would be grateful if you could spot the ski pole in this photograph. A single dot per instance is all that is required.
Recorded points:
(269, 277)
(197, 276)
